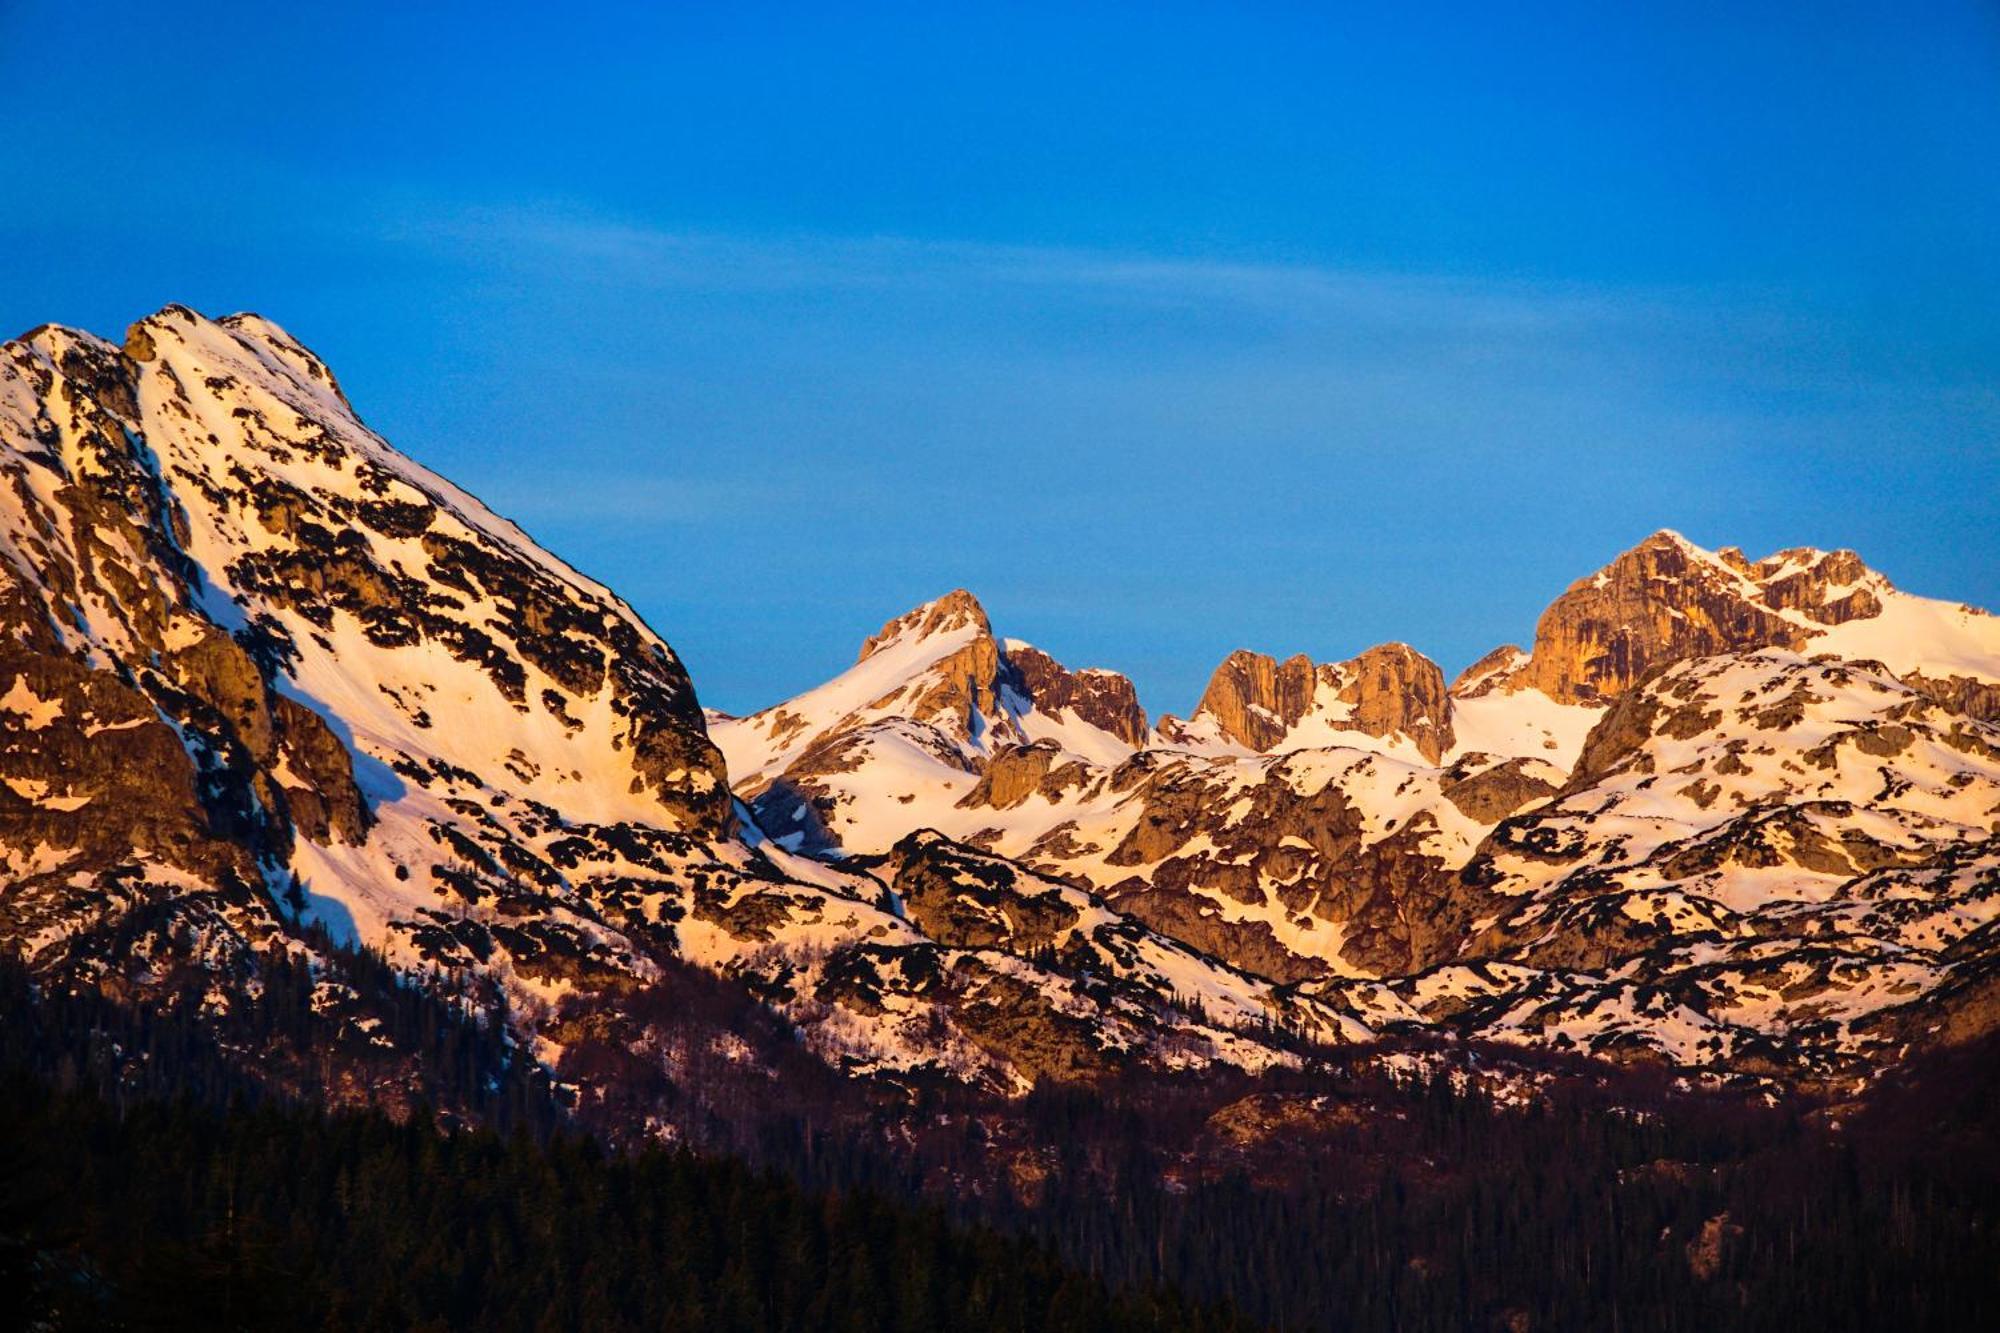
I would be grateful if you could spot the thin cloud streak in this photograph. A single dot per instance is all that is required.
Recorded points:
(608, 250)
(1471, 319)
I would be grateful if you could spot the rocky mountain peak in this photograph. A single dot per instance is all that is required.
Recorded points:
(958, 611)
(1255, 699)
(242, 534)
(1386, 692)
(937, 665)
(1489, 672)
(954, 666)
(1104, 699)
(934, 692)
(1395, 690)
(260, 671)
(1667, 600)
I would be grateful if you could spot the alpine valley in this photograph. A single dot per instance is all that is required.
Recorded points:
(290, 723)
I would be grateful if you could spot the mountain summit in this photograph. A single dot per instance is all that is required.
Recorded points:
(1666, 600)
(1391, 693)
(932, 698)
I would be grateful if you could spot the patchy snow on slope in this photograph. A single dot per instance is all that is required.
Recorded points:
(759, 747)
(1525, 722)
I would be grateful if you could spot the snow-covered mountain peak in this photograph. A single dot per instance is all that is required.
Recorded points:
(305, 630)
(932, 697)
(259, 671)
(261, 356)
(956, 617)
(937, 665)
(1668, 599)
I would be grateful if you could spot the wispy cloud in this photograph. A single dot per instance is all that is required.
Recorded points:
(602, 249)
(1385, 326)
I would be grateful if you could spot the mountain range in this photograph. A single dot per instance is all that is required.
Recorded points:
(270, 689)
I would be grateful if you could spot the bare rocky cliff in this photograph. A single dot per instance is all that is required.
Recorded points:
(1390, 691)
(1104, 699)
(1666, 600)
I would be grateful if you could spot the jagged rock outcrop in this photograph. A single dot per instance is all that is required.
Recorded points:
(1395, 690)
(1256, 700)
(1662, 601)
(1970, 695)
(1667, 600)
(1389, 692)
(1014, 774)
(1104, 699)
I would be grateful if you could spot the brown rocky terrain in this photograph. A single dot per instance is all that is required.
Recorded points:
(1104, 699)
(1667, 600)
(1389, 691)
(1660, 602)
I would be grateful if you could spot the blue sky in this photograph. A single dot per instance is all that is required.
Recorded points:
(1165, 329)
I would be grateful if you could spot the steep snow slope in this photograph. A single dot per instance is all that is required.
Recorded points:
(1493, 713)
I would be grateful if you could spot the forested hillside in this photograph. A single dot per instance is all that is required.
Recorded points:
(149, 1181)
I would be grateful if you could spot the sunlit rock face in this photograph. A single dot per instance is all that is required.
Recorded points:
(1389, 693)
(1667, 600)
(261, 671)
(1103, 699)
